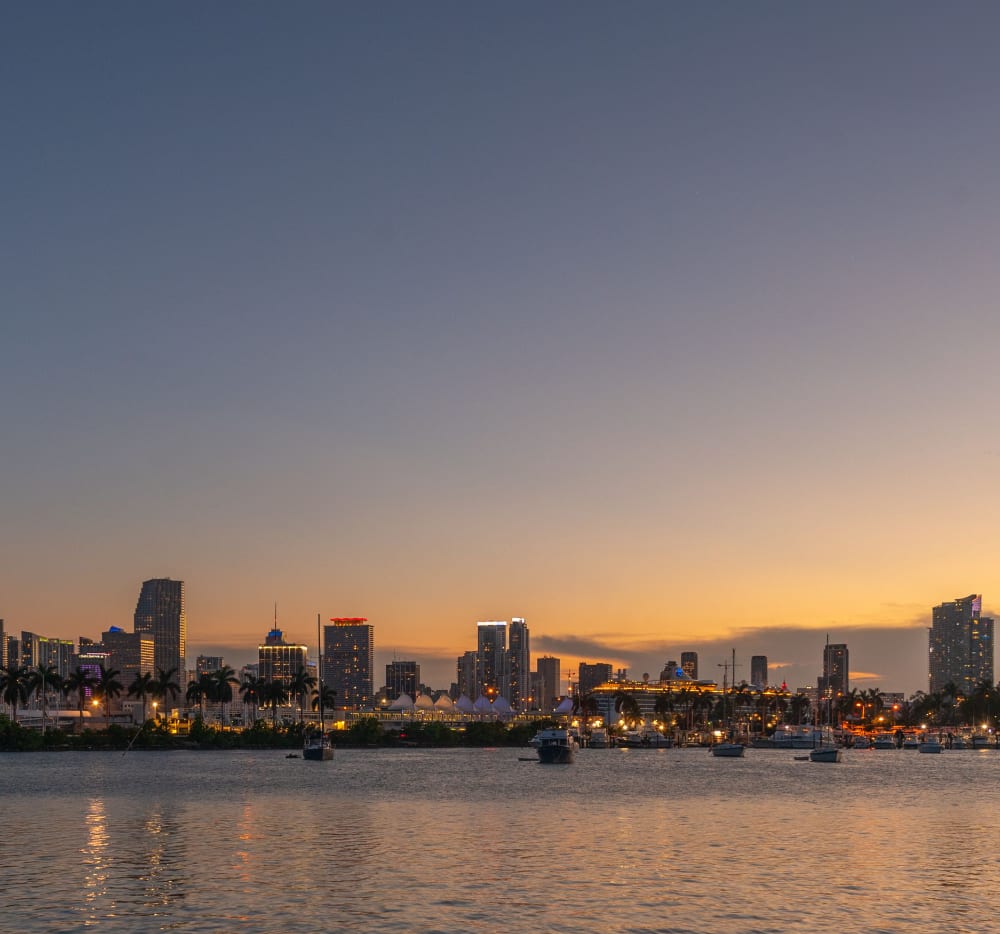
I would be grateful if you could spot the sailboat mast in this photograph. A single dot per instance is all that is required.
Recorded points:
(319, 675)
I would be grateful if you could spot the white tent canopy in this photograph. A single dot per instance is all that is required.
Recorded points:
(403, 702)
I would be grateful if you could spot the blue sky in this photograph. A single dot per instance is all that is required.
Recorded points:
(656, 324)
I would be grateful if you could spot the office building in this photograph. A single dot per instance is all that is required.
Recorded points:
(159, 614)
(131, 653)
(758, 671)
(492, 677)
(834, 681)
(518, 664)
(593, 675)
(465, 676)
(960, 645)
(550, 682)
(689, 662)
(401, 678)
(36, 651)
(278, 660)
(206, 665)
(348, 661)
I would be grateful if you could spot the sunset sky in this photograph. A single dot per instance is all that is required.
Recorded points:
(665, 326)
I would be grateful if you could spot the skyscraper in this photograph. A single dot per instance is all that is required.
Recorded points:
(278, 660)
(402, 678)
(960, 647)
(689, 662)
(593, 675)
(835, 670)
(758, 670)
(519, 663)
(492, 676)
(550, 678)
(348, 663)
(159, 613)
(465, 670)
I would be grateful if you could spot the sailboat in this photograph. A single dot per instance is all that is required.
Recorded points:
(821, 752)
(728, 749)
(317, 746)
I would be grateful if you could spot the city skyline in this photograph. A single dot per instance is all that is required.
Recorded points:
(663, 327)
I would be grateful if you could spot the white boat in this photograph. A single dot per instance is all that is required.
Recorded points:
(803, 737)
(860, 742)
(555, 746)
(958, 742)
(646, 738)
(728, 749)
(825, 754)
(910, 741)
(930, 745)
(885, 741)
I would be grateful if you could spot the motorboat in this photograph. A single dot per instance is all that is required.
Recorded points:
(599, 738)
(930, 745)
(885, 741)
(860, 741)
(646, 738)
(911, 741)
(555, 746)
(958, 742)
(825, 754)
(317, 748)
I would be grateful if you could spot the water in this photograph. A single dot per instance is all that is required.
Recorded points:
(478, 841)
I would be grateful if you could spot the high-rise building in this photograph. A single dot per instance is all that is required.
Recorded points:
(39, 651)
(401, 678)
(834, 681)
(689, 662)
(593, 675)
(465, 671)
(130, 653)
(278, 660)
(492, 677)
(758, 671)
(960, 646)
(3, 646)
(207, 664)
(518, 664)
(159, 613)
(550, 686)
(348, 663)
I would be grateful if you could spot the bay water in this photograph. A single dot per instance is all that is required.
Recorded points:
(481, 840)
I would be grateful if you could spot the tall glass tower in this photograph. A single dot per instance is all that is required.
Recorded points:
(348, 662)
(159, 613)
(960, 649)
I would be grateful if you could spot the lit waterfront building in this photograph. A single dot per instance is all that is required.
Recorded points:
(492, 676)
(465, 676)
(401, 678)
(960, 645)
(348, 661)
(758, 671)
(550, 682)
(159, 614)
(39, 651)
(689, 662)
(518, 664)
(278, 660)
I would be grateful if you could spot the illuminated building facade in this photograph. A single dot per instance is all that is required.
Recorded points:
(35, 651)
(834, 681)
(348, 662)
(278, 660)
(159, 614)
(131, 653)
(689, 662)
(960, 649)
(465, 676)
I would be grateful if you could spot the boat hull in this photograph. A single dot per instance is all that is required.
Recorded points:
(728, 750)
(556, 755)
(829, 754)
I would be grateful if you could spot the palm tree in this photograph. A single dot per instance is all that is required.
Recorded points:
(80, 681)
(108, 687)
(628, 707)
(797, 707)
(250, 692)
(225, 680)
(324, 699)
(15, 687)
(43, 679)
(273, 694)
(165, 688)
(198, 691)
(302, 684)
(141, 687)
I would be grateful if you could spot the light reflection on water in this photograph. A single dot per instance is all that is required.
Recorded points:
(476, 840)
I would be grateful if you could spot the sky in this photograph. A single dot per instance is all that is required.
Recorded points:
(664, 326)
